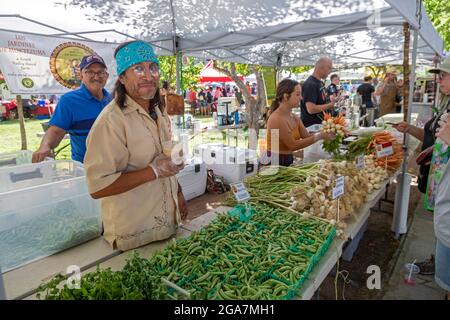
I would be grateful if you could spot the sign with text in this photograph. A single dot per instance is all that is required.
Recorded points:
(384, 149)
(338, 190)
(37, 64)
(240, 192)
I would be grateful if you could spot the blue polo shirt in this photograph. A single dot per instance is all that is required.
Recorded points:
(76, 113)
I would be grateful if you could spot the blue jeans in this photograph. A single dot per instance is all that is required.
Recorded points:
(442, 265)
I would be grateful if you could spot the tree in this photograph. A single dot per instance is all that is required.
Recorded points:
(254, 106)
(377, 71)
(439, 13)
(190, 71)
(297, 70)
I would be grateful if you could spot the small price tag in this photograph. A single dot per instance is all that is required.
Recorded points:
(338, 190)
(360, 164)
(384, 149)
(240, 192)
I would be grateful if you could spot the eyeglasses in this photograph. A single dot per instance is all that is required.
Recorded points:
(92, 74)
(140, 70)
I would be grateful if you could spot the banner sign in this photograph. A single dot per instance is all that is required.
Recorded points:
(39, 64)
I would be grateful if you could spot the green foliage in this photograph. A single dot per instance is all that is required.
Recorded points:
(270, 81)
(136, 281)
(299, 69)
(190, 71)
(439, 13)
(359, 147)
(241, 69)
(332, 146)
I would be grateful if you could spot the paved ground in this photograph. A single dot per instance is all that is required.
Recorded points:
(419, 244)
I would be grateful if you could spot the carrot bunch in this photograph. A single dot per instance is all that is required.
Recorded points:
(392, 162)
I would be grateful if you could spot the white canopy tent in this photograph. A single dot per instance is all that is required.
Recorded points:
(262, 31)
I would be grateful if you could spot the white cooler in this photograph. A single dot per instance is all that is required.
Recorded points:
(192, 178)
(203, 151)
(233, 164)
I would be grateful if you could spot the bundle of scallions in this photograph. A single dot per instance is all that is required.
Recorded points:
(273, 184)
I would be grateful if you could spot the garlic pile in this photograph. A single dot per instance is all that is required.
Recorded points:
(317, 200)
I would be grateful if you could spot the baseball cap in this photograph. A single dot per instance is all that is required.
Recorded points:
(444, 66)
(90, 59)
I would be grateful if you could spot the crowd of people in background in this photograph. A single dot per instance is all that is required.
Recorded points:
(203, 100)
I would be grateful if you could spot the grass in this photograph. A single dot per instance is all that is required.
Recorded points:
(11, 142)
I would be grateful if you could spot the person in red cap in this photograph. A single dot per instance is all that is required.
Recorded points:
(77, 110)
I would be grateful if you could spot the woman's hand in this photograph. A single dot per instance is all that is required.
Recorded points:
(402, 127)
(326, 136)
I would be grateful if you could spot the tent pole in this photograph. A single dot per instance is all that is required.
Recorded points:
(399, 221)
(23, 133)
(278, 69)
(178, 81)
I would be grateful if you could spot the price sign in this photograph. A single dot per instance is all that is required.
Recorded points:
(240, 192)
(384, 149)
(338, 190)
(360, 164)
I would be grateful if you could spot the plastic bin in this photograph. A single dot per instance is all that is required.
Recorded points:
(25, 176)
(192, 178)
(15, 158)
(315, 152)
(50, 215)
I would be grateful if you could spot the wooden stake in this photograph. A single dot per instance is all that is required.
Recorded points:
(23, 134)
(337, 218)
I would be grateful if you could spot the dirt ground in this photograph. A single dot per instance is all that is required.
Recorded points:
(204, 203)
(378, 246)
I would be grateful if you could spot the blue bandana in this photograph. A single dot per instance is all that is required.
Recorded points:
(133, 53)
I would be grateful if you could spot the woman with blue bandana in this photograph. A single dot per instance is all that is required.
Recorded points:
(125, 165)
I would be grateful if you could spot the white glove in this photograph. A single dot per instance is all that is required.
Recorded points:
(164, 167)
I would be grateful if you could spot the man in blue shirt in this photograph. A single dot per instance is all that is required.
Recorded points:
(77, 111)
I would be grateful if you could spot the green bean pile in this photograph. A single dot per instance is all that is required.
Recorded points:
(60, 228)
(268, 257)
(254, 252)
